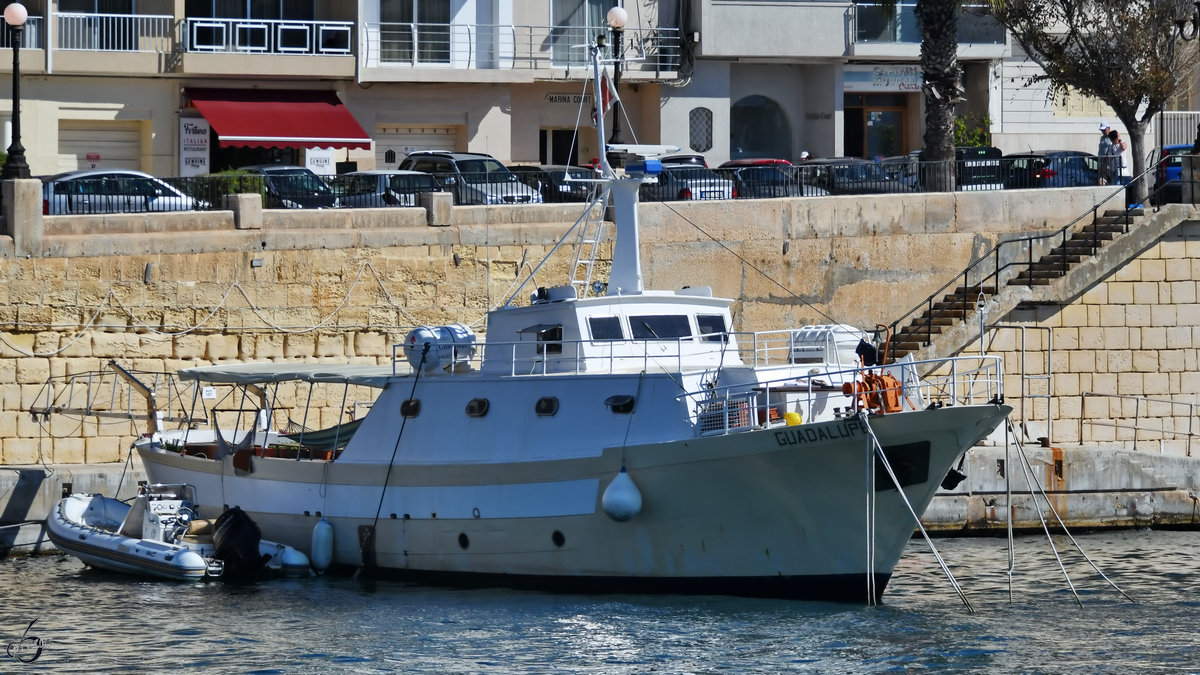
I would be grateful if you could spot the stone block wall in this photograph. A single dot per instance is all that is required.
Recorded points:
(1119, 365)
(154, 294)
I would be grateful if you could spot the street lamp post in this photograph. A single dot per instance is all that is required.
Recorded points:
(15, 165)
(1182, 24)
(617, 16)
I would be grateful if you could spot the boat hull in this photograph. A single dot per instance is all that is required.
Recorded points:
(779, 512)
(111, 551)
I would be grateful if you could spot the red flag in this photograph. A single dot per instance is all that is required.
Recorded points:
(608, 93)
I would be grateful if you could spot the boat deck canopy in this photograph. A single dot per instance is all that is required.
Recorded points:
(262, 373)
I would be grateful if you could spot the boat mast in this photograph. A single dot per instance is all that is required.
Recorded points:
(626, 275)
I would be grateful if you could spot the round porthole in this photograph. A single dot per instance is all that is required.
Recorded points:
(477, 407)
(463, 541)
(411, 407)
(558, 539)
(621, 403)
(546, 406)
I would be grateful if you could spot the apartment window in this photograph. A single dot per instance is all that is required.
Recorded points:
(417, 31)
(95, 6)
(700, 128)
(293, 10)
(575, 22)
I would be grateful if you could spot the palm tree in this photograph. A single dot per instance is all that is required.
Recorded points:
(939, 60)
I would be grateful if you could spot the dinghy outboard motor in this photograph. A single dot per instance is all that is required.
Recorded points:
(235, 538)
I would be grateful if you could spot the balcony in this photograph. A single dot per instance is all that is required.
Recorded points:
(31, 38)
(114, 33)
(407, 51)
(269, 36)
(281, 47)
(891, 29)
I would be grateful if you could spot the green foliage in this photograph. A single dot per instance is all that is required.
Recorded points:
(972, 131)
(212, 188)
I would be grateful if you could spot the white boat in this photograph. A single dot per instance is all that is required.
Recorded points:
(156, 535)
(626, 440)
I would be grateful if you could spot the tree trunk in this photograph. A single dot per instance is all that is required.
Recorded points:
(1139, 189)
(939, 60)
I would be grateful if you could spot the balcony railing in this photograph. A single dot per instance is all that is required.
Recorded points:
(31, 38)
(114, 32)
(268, 36)
(508, 47)
(897, 23)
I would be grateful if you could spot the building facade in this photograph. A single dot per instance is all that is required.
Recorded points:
(185, 87)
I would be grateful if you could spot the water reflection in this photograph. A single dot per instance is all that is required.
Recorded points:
(101, 622)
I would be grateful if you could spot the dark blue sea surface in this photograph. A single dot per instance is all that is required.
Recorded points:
(94, 621)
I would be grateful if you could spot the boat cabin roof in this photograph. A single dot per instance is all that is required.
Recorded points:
(261, 373)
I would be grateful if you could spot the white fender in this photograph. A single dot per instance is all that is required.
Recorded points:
(322, 545)
(621, 500)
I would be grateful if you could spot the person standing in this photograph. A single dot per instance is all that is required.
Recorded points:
(1116, 157)
(1102, 154)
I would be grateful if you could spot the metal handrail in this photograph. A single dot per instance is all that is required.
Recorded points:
(1136, 426)
(993, 265)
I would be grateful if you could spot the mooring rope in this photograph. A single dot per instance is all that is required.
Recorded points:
(369, 540)
(1027, 467)
(862, 416)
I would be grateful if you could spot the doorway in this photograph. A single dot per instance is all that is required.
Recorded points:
(558, 146)
(875, 125)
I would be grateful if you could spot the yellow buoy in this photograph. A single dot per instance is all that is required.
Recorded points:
(792, 418)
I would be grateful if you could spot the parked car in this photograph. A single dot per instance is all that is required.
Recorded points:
(766, 178)
(975, 168)
(292, 187)
(381, 187)
(1168, 184)
(850, 176)
(559, 182)
(473, 178)
(686, 160)
(687, 182)
(1050, 168)
(112, 191)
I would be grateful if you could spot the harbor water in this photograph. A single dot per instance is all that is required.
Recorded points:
(85, 620)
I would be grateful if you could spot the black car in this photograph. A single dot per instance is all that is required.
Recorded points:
(850, 176)
(292, 187)
(559, 182)
(767, 181)
(1050, 168)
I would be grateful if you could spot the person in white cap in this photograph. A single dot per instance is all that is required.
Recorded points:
(1103, 152)
(804, 155)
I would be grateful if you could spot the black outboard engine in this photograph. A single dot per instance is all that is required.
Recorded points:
(236, 537)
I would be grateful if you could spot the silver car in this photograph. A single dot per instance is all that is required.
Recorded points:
(687, 182)
(112, 191)
(366, 189)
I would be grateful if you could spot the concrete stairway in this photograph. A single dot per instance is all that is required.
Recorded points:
(1047, 270)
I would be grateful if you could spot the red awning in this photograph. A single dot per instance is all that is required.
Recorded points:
(279, 118)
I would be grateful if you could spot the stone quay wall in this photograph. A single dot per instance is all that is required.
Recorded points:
(159, 292)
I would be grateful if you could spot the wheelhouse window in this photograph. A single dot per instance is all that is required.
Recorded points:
(605, 328)
(416, 31)
(549, 340)
(660, 327)
(712, 327)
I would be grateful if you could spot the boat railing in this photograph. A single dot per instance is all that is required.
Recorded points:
(573, 357)
(795, 398)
